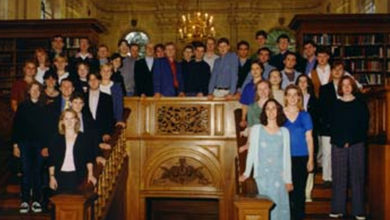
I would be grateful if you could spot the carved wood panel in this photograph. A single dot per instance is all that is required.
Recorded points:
(183, 119)
(183, 173)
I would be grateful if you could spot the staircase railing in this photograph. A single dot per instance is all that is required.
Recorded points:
(94, 202)
(378, 153)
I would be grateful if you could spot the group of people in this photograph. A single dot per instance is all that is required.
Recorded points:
(296, 120)
(299, 111)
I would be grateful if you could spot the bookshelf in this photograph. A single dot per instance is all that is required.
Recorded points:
(19, 39)
(361, 41)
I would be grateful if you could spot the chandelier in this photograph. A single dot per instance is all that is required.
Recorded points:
(196, 27)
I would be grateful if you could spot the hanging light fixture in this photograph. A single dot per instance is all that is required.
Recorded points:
(196, 26)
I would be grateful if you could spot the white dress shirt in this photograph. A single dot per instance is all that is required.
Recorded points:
(149, 62)
(68, 165)
(323, 74)
(93, 100)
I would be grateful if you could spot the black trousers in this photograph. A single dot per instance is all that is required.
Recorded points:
(299, 178)
(32, 170)
(68, 182)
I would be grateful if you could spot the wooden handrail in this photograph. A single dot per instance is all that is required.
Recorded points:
(93, 202)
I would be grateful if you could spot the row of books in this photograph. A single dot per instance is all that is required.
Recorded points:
(338, 39)
(363, 52)
(388, 66)
(71, 42)
(364, 65)
(6, 71)
(32, 44)
(369, 79)
(6, 58)
(6, 45)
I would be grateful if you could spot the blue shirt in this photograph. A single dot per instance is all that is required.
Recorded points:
(310, 66)
(248, 94)
(225, 73)
(298, 130)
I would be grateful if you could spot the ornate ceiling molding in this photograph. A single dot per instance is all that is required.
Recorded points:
(212, 6)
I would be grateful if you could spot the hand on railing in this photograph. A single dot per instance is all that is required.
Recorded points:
(92, 179)
(242, 178)
(101, 161)
(105, 146)
(120, 124)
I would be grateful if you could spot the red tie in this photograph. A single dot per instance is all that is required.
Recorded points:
(174, 73)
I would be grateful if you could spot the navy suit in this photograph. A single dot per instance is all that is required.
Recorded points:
(163, 78)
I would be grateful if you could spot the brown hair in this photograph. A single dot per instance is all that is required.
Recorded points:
(61, 126)
(41, 50)
(300, 94)
(280, 116)
(355, 89)
(280, 75)
(337, 63)
(257, 97)
(170, 44)
(28, 88)
(60, 57)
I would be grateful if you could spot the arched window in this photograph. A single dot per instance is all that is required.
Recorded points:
(273, 37)
(140, 38)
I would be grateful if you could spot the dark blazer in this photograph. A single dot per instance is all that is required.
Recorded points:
(104, 113)
(143, 77)
(327, 98)
(54, 111)
(163, 78)
(243, 72)
(82, 153)
(92, 132)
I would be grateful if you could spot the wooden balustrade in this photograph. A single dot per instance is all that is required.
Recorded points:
(185, 148)
(378, 158)
(93, 202)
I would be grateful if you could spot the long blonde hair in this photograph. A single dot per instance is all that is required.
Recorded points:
(300, 94)
(61, 126)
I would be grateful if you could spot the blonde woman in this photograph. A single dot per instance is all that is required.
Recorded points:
(70, 155)
(300, 125)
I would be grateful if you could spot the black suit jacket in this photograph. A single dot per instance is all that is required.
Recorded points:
(104, 113)
(82, 153)
(327, 98)
(143, 78)
(54, 111)
(92, 132)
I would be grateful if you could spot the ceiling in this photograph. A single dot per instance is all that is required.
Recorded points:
(142, 6)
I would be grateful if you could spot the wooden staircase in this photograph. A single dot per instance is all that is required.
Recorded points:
(10, 203)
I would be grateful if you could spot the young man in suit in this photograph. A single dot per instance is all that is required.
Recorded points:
(309, 50)
(327, 97)
(143, 73)
(100, 106)
(88, 126)
(167, 74)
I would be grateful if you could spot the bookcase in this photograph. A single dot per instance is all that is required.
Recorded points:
(361, 41)
(19, 39)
